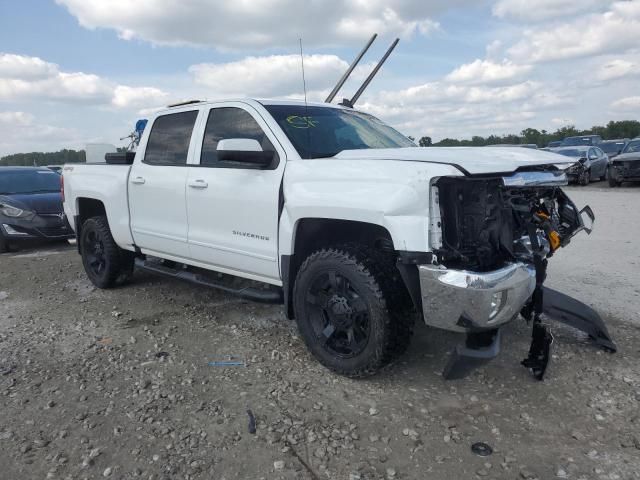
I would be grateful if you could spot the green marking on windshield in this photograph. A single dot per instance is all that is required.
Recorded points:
(297, 121)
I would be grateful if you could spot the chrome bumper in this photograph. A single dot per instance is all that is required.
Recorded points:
(462, 301)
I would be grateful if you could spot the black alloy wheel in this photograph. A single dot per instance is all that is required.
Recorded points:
(106, 264)
(338, 315)
(352, 309)
(93, 247)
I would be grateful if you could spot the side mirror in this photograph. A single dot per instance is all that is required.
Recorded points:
(244, 150)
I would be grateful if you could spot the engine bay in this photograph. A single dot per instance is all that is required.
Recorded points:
(486, 224)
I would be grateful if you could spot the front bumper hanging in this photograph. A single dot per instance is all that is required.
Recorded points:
(463, 301)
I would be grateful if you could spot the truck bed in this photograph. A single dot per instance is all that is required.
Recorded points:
(104, 183)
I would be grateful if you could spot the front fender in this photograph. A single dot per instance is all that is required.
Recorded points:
(391, 194)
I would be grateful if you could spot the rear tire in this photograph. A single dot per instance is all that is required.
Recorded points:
(106, 264)
(352, 309)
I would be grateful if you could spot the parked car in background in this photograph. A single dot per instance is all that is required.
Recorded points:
(554, 144)
(581, 140)
(31, 206)
(591, 163)
(626, 166)
(55, 168)
(613, 148)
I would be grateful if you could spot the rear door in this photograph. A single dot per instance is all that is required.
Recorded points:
(233, 208)
(157, 200)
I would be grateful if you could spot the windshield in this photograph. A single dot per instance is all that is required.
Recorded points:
(28, 181)
(319, 132)
(572, 153)
(632, 147)
(613, 147)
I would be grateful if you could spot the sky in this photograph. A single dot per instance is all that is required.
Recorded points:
(74, 72)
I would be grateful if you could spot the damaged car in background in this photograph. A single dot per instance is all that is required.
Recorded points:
(591, 164)
(343, 220)
(626, 166)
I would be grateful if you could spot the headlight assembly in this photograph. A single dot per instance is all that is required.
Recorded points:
(14, 212)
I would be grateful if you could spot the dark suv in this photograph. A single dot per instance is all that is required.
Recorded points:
(31, 206)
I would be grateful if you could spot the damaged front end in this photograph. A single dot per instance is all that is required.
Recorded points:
(491, 238)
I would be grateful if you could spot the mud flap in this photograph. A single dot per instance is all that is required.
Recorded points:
(576, 314)
(479, 348)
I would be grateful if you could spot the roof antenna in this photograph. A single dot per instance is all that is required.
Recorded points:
(346, 75)
(354, 99)
(304, 81)
(306, 107)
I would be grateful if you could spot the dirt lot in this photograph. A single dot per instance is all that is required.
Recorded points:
(117, 383)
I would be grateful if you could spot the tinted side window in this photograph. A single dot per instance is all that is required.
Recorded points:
(226, 123)
(169, 139)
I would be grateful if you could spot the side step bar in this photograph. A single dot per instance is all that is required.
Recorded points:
(272, 295)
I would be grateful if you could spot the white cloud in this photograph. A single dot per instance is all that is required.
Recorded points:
(130, 97)
(20, 133)
(526, 10)
(562, 121)
(22, 67)
(616, 30)
(30, 78)
(627, 104)
(259, 23)
(487, 72)
(439, 92)
(272, 76)
(618, 68)
(15, 118)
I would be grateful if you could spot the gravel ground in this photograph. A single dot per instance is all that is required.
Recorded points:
(117, 384)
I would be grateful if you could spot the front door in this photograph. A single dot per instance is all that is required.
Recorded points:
(157, 200)
(233, 207)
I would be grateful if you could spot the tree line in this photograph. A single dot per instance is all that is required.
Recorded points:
(38, 159)
(541, 138)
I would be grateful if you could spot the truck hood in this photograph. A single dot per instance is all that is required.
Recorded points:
(472, 160)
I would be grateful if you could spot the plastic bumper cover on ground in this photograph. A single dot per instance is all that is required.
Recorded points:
(465, 301)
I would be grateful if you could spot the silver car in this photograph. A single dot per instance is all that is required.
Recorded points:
(592, 164)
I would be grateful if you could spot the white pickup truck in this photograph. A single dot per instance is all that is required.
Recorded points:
(337, 215)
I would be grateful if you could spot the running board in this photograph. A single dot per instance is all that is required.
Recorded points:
(271, 295)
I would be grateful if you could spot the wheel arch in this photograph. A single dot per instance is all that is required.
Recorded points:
(311, 234)
(86, 208)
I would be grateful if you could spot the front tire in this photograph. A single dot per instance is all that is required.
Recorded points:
(352, 309)
(585, 177)
(106, 264)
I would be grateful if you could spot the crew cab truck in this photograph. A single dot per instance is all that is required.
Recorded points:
(337, 215)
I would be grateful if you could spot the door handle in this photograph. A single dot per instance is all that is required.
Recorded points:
(198, 183)
(138, 180)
